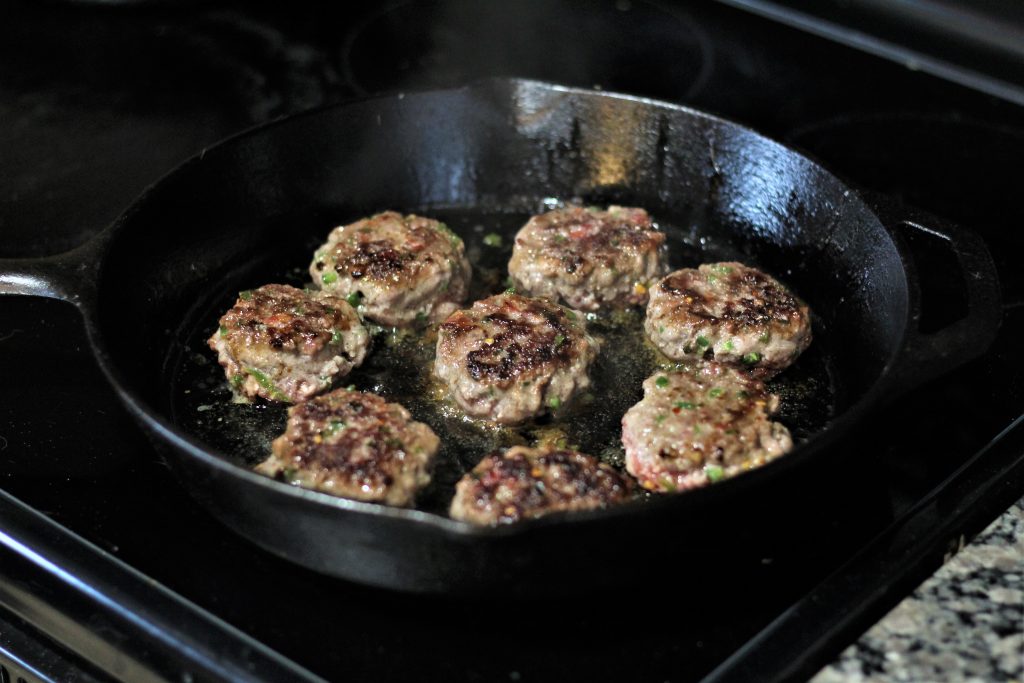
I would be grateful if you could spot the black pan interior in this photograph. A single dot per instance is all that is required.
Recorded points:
(483, 158)
(199, 401)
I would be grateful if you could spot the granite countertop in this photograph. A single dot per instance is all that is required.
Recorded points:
(964, 623)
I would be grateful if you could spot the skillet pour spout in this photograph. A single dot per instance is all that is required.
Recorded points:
(247, 211)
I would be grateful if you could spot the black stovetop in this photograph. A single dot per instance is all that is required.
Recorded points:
(98, 101)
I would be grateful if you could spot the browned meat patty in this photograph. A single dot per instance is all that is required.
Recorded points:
(590, 259)
(285, 344)
(529, 482)
(699, 424)
(397, 269)
(355, 445)
(512, 357)
(730, 313)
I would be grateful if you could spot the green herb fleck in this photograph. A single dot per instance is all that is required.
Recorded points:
(288, 474)
(715, 392)
(714, 472)
(721, 269)
(685, 405)
(559, 340)
(751, 358)
(660, 418)
(765, 338)
(329, 276)
(237, 380)
(245, 295)
(336, 337)
(703, 342)
(728, 346)
(223, 330)
(455, 239)
(354, 299)
(668, 484)
(661, 382)
(555, 402)
(570, 314)
(492, 239)
(333, 427)
(421, 317)
(350, 387)
(510, 290)
(268, 385)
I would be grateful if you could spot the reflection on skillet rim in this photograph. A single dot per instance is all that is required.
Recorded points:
(164, 430)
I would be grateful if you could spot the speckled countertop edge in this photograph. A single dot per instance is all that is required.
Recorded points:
(964, 623)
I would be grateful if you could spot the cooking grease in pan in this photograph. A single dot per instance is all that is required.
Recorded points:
(399, 364)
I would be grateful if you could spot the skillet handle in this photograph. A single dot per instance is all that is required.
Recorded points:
(927, 355)
(70, 276)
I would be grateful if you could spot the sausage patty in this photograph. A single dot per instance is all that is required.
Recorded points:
(355, 445)
(512, 357)
(529, 482)
(730, 313)
(589, 258)
(285, 344)
(397, 269)
(699, 424)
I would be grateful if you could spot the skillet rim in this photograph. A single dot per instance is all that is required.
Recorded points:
(169, 434)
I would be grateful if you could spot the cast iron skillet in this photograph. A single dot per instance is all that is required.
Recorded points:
(246, 211)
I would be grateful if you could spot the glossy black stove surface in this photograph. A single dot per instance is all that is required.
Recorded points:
(102, 100)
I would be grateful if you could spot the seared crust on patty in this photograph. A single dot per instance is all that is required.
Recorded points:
(730, 313)
(355, 445)
(698, 424)
(397, 269)
(285, 344)
(530, 482)
(512, 357)
(588, 258)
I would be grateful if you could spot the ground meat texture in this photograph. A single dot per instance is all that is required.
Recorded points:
(700, 424)
(398, 270)
(588, 258)
(730, 313)
(285, 344)
(529, 482)
(355, 445)
(512, 357)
